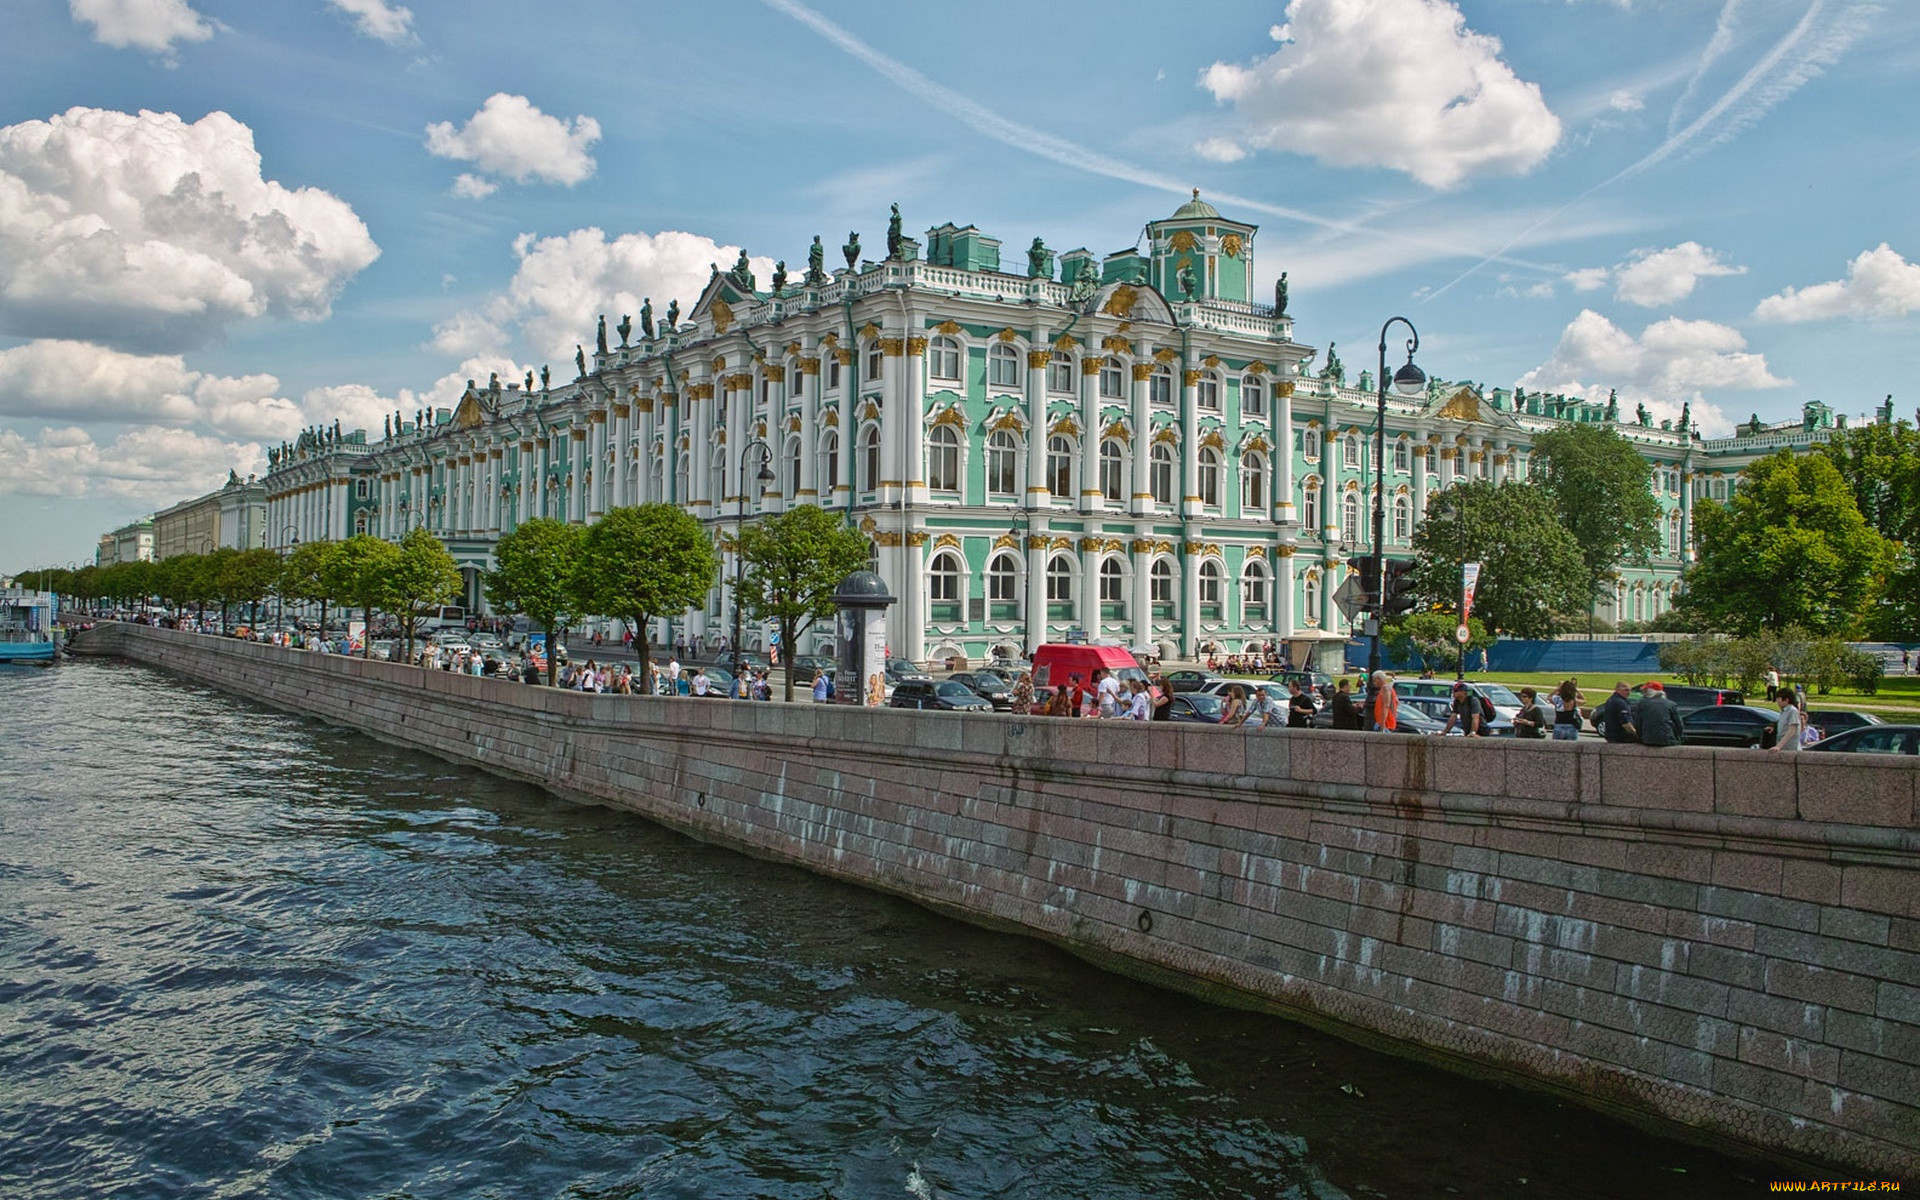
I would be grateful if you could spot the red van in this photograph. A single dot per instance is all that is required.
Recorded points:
(1056, 663)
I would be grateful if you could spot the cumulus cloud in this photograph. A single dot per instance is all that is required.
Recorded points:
(359, 406)
(149, 232)
(1656, 278)
(564, 283)
(151, 467)
(76, 381)
(508, 136)
(473, 187)
(1220, 150)
(1671, 362)
(1880, 284)
(152, 25)
(389, 23)
(1402, 84)
(1622, 100)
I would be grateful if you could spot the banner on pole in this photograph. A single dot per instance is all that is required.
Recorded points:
(1469, 578)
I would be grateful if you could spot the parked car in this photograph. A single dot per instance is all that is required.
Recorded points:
(1191, 681)
(1435, 698)
(1317, 682)
(1685, 698)
(720, 683)
(1276, 692)
(946, 696)
(484, 641)
(737, 661)
(991, 688)
(1729, 725)
(807, 666)
(1196, 708)
(1872, 739)
(1830, 721)
(900, 670)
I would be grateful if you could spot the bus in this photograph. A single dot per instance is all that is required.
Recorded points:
(445, 616)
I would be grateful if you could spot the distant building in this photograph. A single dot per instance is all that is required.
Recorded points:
(233, 517)
(132, 542)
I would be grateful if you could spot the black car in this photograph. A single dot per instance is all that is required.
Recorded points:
(807, 666)
(1685, 698)
(1873, 739)
(900, 670)
(1191, 681)
(741, 661)
(946, 696)
(987, 686)
(1196, 708)
(1317, 682)
(1830, 721)
(1730, 725)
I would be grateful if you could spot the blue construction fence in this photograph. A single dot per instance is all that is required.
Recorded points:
(1622, 657)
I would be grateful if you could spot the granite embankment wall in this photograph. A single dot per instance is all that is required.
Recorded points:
(1728, 940)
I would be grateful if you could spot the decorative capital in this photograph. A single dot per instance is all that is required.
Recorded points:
(1037, 359)
(894, 347)
(843, 357)
(917, 346)
(1191, 378)
(1089, 365)
(809, 366)
(1142, 372)
(776, 374)
(917, 537)
(1283, 390)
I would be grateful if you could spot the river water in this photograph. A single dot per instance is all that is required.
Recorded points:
(246, 954)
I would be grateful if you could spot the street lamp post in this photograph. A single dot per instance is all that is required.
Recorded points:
(1408, 381)
(1019, 532)
(289, 541)
(765, 477)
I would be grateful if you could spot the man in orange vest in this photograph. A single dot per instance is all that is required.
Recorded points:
(1385, 707)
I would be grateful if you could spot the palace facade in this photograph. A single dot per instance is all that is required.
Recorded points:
(1130, 447)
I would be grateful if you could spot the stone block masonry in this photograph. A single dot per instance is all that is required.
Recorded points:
(1724, 940)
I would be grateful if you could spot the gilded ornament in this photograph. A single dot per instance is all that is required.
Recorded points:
(722, 314)
(1121, 303)
(1007, 335)
(1183, 240)
(895, 347)
(809, 366)
(948, 327)
(1090, 365)
(1230, 245)
(1115, 344)
(1191, 378)
(916, 346)
(1037, 359)
(1142, 372)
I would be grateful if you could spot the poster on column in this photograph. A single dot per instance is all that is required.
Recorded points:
(1469, 579)
(874, 659)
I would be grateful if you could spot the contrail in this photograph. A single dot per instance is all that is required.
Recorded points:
(1763, 86)
(984, 120)
(1717, 46)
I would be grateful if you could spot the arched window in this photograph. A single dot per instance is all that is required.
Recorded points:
(1160, 473)
(943, 358)
(1206, 393)
(1113, 380)
(1210, 588)
(830, 459)
(832, 367)
(943, 459)
(1673, 533)
(1160, 585)
(1060, 467)
(1720, 489)
(1312, 605)
(1402, 520)
(1160, 387)
(1310, 443)
(1433, 459)
(1003, 582)
(1003, 366)
(1003, 463)
(1059, 581)
(791, 484)
(1060, 373)
(1253, 396)
(1111, 472)
(874, 362)
(1113, 589)
(943, 578)
(717, 477)
(1253, 484)
(1253, 590)
(1350, 518)
(793, 378)
(1402, 456)
(1350, 449)
(1209, 480)
(870, 459)
(1310, 508)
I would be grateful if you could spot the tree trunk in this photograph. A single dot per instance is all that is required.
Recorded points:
(366, 636)
(642, 647)
(786, 645)
(553, 658)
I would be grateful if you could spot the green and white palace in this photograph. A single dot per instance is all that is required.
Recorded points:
(1130, 447)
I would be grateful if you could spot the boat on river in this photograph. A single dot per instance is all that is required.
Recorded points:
(26, 626)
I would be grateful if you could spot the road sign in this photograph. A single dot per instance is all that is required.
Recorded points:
(1352, 598)
(1463, 635)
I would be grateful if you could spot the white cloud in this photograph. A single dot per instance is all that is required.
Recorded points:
(77, 381)
(153, 25)
(1671, 362)
(474, 187)
(564, 283)
(1402, 84)
(1589, 279)
(147, 232)
(510, 137)
(358, 406)
(1220, 150)
(1662, 277)
(1880, 284)
(1625, 101)
(150, 466)
(389, 23)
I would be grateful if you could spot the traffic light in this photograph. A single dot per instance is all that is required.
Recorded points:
(1399, 596)
(1369, 579)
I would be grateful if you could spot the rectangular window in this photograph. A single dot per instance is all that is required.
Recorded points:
(1060, 374)
(1160, 388)
(833, 372)
(1112, 382)
(1207, 394)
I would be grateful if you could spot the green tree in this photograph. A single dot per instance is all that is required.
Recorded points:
(790, 565)
(1431, 637)
(1881, 464)
(1789, 548)
(534, 575)
(248, 577)
(422, 576)
(303, 577)
(1530, 566)
(357, 575)
(1599, 487)
(654, 560)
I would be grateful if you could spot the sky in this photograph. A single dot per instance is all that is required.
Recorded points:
(223, 220)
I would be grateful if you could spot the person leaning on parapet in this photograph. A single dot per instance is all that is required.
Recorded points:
(1533, 720)
(1345, 715)
(1659, 718)
(1617, 715)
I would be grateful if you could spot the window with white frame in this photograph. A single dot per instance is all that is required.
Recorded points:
(1310, 443)
(1673, 533)
(1210, 581)
(1402, 520)
(1209, 480)
(1350, 449)
(1003, 366)
(830, 459)
(833, 370)
(1003, 579)
(870, 458)
(943, 358)
(1059, 581)
(1253, 396)
(1310, 507)
(1206, 393)
(1402, 457)
(1160, 387)
(1003, 463)
(1113, 380)
(1253, 483)
(943, 578)
(1311, 591)
(943, 459)
(1350, 518)
(1060, 373)
(875, 359)
(1060, 467)
(1160, 581)
(1160, 473)
(1112, 462)
(793, 378)
(1113, 583)
(1253, 587)
(1433, 459)
(791, 484)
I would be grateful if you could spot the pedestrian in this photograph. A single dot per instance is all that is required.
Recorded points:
(1566, 712)
(1109, 689)
(1261, 711)
(819, 687)
(701, 685)
(1160, 693)
(1300, 706)
(1022, 702)
(1345, 715)
(1616, 715)
(1466, 712)
(1060, 702)
(1658, 718)
(1140, 702)
(1533, 720)
(1234, 711)
(1386, 703)
(1789, 730)
(1773, 685)
(1906, 662)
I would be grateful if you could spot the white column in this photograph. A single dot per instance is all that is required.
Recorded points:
(1036, 609)
(1036, 472)
(914, 412)
(1140, 605)
(1141, 450)
(1189, 446)
(1089, 591)
(1190, 600)
(807, 486)
(1090, 499)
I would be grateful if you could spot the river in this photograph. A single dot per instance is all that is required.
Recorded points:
(246, 954)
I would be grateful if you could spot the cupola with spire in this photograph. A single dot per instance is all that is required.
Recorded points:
(1219, 251)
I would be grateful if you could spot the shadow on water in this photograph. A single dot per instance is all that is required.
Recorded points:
(247, 954)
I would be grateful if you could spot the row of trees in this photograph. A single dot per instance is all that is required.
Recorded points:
(1824, 663)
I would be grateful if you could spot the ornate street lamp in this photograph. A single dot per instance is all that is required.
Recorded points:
(1408, 381)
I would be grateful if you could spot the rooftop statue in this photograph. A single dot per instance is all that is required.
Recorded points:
(780, 277)
(580, 360)
(893, 234)
(1280, 295)
(1187, 284)
(852, 251)
(546, 377)
(600, 336)
(1085, 284)
(742, 274)
(529, 378)
(673, 315)
(624, 329)
(1037, 259)
(816, 259)
(646, 318)
(1335, 369)
(1641, 415)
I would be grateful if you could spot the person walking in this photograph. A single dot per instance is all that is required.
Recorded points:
(1262, 712)
(1791, 728)
(1345, 715)
(1659, 718)
(1617, 715)
(1566, 702)
(1109, 692)
(1022, 702)
(1386, 703)
(1160, 698)
(1773, 685)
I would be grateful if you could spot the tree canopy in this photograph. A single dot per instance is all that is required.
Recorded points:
(1598, 485)
(358, 574)
(790, 566)
(421, 576)
(535, 573)
(303, 575)
(643, 562)
(1530, 566)
(1788, 548)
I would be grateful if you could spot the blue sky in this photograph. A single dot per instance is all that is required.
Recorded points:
(223, 219)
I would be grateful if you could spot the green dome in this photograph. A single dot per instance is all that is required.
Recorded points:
(1195, 207)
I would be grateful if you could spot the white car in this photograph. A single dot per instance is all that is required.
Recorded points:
(484, 641)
